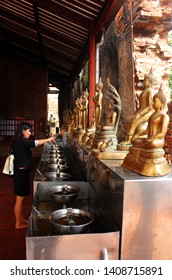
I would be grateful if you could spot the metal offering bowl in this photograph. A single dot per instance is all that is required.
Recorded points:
(53, 156)
(53, 152)
(59, 148)
(53, 160)
(54, 166)
(71, 221)
(53, 176)
(63, 176)
(61, 153)
(61, 161)
(64, 194)
(57, 160)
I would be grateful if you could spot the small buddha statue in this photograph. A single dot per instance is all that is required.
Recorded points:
(98, 102)
(144, 111)
(111, 111)
(76, 113)
(84, 109)
(112, 108)
(146, 156)
(157, 125)
(90, 131)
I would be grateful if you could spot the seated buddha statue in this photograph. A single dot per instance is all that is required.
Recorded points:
(143, 112)
(157, 125)
(111, 110)
(110, 116)
(90, 131)
(146, 156)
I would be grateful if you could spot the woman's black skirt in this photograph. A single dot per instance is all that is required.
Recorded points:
(22, 182)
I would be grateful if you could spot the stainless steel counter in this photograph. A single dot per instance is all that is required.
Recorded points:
(133, 214)
(140, 206)
(43, 243)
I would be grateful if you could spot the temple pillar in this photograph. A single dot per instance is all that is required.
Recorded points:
(91, 74)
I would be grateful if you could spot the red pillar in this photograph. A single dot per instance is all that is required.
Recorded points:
(91, 74)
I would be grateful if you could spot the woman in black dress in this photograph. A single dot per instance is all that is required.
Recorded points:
(21, 147)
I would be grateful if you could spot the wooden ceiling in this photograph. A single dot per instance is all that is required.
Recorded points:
(53, 33)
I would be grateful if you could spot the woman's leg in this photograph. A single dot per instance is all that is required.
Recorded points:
(18, 211)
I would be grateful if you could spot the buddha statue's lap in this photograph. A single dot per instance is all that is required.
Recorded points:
(107, 127)
(149, 143)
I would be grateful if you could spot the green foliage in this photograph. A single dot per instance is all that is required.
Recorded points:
(170, 38)
(85, 81)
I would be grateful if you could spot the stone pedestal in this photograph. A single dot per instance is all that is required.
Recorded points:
(109, 154)
(104, 136)
(78, 134)
(121, 147)
(147, 162)
(88, 135)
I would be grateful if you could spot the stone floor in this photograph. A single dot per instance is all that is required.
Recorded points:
(12, 241)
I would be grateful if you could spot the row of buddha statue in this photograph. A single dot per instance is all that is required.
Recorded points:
(142, 150)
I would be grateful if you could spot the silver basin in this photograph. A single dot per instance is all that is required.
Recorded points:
(55, 155)
(64, 194)
(57, 160)
(58, 148)
(53, 152)
(56, 152)
(71, 221)
(53, 176)
(54, 166)
(62, 161)
(52, 156)
(53, 160)
(60, 153)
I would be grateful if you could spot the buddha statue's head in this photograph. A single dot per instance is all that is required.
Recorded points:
(161, 96)
(150, 77)
(99, 85)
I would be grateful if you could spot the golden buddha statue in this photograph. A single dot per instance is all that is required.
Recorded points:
(82, 116)
(107, 127)
(112, 108)
(98, 102)
(76, 113)
(84, 109)
(146, 156)
(88, 136)
(142, 114)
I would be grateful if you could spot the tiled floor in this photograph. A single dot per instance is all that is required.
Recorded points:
(12, 241)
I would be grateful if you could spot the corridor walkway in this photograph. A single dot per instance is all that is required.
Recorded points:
(12, 241)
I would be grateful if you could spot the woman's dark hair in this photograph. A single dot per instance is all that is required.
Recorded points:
(22, 125)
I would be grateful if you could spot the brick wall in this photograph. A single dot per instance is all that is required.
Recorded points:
(23, 91)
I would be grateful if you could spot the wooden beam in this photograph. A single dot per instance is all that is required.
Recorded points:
(61, 11)
(109, 12)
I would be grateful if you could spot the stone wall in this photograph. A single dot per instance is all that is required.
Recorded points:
(137, 41)
(152, 20)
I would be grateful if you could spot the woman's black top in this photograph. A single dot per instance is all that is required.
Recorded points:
(22, 152)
